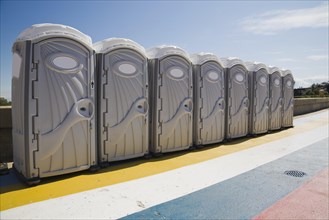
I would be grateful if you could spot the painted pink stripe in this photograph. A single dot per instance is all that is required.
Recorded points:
(310, 201)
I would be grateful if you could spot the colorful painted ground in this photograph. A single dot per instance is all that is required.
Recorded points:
(244, 179)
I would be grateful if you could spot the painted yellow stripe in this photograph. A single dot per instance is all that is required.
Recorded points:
(18, 194)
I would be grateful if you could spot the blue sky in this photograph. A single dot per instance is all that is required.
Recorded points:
(287, 34)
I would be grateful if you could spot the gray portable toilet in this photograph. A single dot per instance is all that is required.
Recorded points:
(53, 102)
(288, 98)
(170, 72)
(237, 114)
(259, 97)
(209, 99)
(275, 105)
(122, 100)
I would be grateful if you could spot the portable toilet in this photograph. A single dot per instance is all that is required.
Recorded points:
(275, 105)
(288, 98)
(208, 99)
(236, 98)
(171, 92)
(53, 102)
(259, 97)
(122, 100)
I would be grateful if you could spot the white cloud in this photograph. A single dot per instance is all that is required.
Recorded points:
(272, 22)
(318, 57)
(307, 82)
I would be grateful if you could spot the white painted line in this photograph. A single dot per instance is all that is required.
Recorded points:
(126, 198)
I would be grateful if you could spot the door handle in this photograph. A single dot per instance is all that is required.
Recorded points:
(188, 105)
(86, 108)
(142, 106)
(246, 102)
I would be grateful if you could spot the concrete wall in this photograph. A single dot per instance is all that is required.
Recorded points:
(307, 105)
(6, 151)
(301, 106)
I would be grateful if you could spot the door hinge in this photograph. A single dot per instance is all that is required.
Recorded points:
(34, 65)
(35, 137)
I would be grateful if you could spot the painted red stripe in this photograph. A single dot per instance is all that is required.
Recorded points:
(310, 201)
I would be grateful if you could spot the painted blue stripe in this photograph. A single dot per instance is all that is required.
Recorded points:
(246, 195)
(9, 179)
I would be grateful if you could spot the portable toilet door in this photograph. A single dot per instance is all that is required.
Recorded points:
(209, 99)
(236, 98)
(259, 97)
(275, 107)
(288, 98)
(53, 102)
(122, 100)
(172, 104)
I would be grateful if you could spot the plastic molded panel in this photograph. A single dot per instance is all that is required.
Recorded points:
(111, 44)
(18, 103)
(174, 105)
(259, 100)
(53, 107)
(229, 62)
(64, 107)
(201, 58)
(124, 105)
(209, 109)
(275, 108)
(237, 101)
(47, 30)
(288, 100)
(163, 51)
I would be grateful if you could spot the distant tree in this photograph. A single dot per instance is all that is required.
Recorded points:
(309, 92)
(313, 86)
(317, 90)
(325, 86)
(4, 102)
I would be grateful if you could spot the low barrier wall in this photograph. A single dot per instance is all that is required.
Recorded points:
(307, 105)
(6, 149)
(301, 106)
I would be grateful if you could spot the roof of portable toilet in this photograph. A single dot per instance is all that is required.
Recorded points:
(38, 31)
(255, 66)
(273, 69)
(110, 44)
(229, 62)
(166, 50)
(201, 58)
(286, 72)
